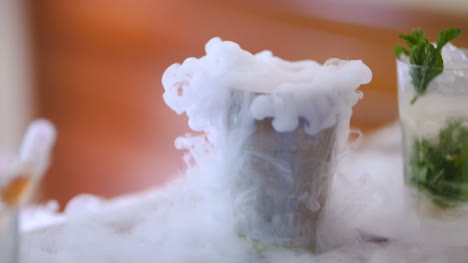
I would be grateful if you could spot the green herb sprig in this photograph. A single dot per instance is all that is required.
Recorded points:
(424, 55)
(441, 169)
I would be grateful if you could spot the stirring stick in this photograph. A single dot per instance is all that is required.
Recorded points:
(32, 162)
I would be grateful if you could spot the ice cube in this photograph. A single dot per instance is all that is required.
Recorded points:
(454, 78)
(454, 57)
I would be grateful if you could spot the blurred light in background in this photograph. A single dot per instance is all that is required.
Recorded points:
(459, 7)
(98, 64)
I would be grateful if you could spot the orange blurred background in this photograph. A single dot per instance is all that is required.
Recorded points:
(98, 67)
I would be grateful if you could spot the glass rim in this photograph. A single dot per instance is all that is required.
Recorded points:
(465, 50)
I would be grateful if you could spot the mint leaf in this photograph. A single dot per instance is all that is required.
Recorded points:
(465, 167)
(447, 36)
(399, 49)
(415, 38)
(431, 65)
(440, 168)
(423, 54)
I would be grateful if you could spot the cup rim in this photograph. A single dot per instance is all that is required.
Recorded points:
(465, 50)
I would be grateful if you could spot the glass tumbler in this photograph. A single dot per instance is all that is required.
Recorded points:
(282, 184)
(434, 119)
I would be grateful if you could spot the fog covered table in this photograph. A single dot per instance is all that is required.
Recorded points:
(182, 223)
